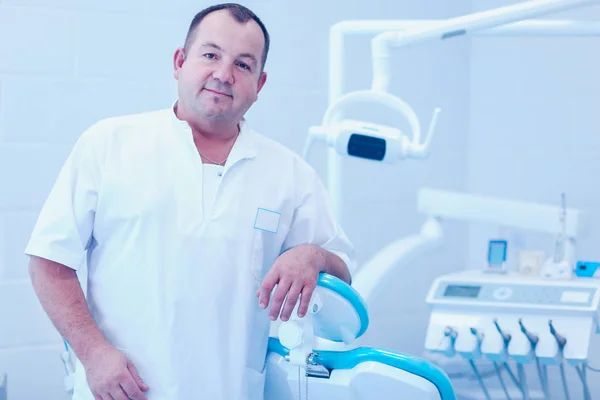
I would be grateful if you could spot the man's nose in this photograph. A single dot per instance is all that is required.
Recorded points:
(224, 73)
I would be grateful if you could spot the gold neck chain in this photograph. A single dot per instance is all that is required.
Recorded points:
(222, 163)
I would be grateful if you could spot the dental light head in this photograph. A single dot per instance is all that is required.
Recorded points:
(369, 141)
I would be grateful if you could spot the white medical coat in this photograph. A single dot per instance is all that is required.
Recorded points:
(172, 281)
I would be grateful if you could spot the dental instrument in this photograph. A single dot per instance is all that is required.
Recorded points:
(533, 341)
(502, 384)
(480, 380)
(563, 379)
(586, 389)
(562, 264)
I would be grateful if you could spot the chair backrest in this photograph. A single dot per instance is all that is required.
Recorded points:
(343, 316)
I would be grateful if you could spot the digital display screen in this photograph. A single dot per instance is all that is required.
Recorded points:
(462, 291)
(497, 252)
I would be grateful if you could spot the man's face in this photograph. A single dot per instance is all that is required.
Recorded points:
(220, 76)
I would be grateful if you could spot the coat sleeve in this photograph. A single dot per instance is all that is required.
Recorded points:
(64, 227)
(314, 222)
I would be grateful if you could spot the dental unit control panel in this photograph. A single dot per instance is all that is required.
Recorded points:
(511, 317)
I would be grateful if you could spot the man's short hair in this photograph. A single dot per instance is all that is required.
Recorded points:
(240, 13)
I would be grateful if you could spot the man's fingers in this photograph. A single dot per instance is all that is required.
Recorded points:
(278, 297)
(109, 396)
(106, 396)
(305, 300)
(131, 388)
(136, 377)
(264, 292)
(290, 302)
(118, 394)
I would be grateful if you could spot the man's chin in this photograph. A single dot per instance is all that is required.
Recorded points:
(213, 115)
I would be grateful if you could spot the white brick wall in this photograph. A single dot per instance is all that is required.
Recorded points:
(128, 35)
(36, 40)
(79, 5)
(78, 100)
(24, 332)
(64, 64)
(27, 173)
(15, 228)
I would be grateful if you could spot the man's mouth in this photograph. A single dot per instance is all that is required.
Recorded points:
(217, 92)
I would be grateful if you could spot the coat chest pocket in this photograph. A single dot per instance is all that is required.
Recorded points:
(269, 232)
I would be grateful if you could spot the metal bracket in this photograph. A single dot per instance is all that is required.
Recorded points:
(314, 369)
(317, 371)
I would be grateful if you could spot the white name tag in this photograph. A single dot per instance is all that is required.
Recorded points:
(267, 220)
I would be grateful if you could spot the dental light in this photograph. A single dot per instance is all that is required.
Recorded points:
(367, 140)
(390, 35)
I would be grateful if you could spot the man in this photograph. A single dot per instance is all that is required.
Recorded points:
(189, 221)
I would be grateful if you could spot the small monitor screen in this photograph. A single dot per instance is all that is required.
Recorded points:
(462, 291)
(497, 252)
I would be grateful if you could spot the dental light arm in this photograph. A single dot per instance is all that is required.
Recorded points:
(367, 140)
(459, 26)
(396, 257)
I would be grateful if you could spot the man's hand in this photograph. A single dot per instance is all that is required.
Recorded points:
(295, 273)
(111, 375)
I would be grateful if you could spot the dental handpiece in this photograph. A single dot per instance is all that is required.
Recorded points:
(505, 336)
(533, 338)
(450, 332)
(561, 340)
(476, 333)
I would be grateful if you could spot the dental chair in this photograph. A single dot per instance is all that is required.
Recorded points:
(302, 365)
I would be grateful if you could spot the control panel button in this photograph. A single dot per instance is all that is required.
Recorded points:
(503, 293)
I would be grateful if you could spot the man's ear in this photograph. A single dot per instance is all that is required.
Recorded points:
(178, 60)
(261, 81)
